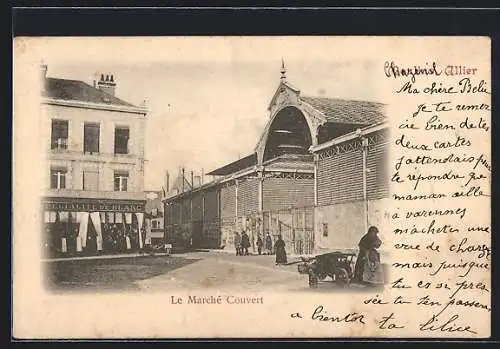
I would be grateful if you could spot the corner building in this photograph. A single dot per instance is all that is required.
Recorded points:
(95, 200)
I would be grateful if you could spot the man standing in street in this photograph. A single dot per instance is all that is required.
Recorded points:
(237, 243)
(260, 243)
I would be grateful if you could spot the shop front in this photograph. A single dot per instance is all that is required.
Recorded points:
(80, 226)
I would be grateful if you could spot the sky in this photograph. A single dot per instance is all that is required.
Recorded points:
(208, 97)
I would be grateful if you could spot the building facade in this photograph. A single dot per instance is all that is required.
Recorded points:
(296, 179)
(154, 219)
(352, 184)
(95, 199)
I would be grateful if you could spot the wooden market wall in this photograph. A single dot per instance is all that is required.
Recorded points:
(214, 212)
(340, 171)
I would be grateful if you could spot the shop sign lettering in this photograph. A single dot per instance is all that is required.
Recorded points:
(93, 207)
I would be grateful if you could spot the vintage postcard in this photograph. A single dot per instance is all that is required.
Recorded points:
(243, 187)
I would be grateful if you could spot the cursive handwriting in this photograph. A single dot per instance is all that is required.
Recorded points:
(439, 178)
(433, 325)
(392, 69)
(467, 265)
(464, 86)
(319, 314)
(388, 323)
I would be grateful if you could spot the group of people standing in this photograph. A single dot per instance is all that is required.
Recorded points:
(241, 243)
(64, 240)
(367, 269)
(264, 246)
(121, 240)
(267, 245)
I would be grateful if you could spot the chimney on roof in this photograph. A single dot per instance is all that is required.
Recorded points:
(43, 74)
(107, 84)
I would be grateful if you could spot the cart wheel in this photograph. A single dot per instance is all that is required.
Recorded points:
(341, 276)
(321, 276)
(313, 281)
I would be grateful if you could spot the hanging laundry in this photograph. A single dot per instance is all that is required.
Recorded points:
(64, 246)
(78, 244)
(46, 216)
(53, 216)
(111, 217)
(79, 216)
(128, 218)
(96, 221)
(63, 216)
(118, 217)
(82, 232)
(140, 220)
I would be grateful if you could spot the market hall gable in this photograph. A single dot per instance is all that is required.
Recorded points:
(314, 154)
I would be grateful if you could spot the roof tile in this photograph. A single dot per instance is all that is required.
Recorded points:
(236, 166)
(347, 111)
(75, 90)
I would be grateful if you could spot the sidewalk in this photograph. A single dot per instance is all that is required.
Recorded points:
(384, 254)
(111, 256)
(230, 251)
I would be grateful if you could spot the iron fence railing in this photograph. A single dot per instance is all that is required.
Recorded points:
(295, 225)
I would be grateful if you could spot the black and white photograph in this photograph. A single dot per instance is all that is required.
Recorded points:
(300, 196)
(220, 174)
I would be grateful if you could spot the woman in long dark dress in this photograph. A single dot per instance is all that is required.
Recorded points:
(91, 244)
(279, 245)
(367, 269)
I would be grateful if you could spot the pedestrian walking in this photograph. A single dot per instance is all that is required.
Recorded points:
(280, 251)
(260, 244)
(245, 243)
(237, 243)
(269, 244)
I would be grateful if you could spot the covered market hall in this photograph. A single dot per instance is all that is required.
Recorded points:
(317, 158)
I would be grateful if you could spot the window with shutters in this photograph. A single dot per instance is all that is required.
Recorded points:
(59, 135)
(91, 138)
(122, 136)
(121, 181)
(58, 178)
(91, 180)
